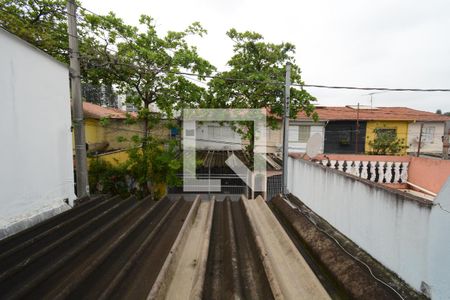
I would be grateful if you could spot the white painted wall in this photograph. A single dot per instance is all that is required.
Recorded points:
(216, 136)
(301, 147)
(36, 168)
(431, 138)
(439, 245)
(409, 238)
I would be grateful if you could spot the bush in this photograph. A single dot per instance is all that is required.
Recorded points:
(386, 142)
(104, 177)
(149, 169)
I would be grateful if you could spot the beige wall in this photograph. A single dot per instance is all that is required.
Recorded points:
(431, 137)
(106, 137)
(274, 140)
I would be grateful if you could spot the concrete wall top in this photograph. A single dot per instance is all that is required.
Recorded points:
(362, 157)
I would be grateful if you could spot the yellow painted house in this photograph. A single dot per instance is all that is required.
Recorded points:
(103, 128)
(399, 127)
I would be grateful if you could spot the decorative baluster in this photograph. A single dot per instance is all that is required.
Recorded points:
(350, 168)
(388, 174)
(356, 165)
(381, 173)
(336, 165)
(373, 170)
(364, 173)
(332, 164)
(404, 174)
(324, 162)
(347, 165)
(340, 165)
(397, 171)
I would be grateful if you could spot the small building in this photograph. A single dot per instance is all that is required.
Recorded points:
(36, 173)
(405, 123)
(109, 131)
(300, 132)
(350, 129)
(217, 136)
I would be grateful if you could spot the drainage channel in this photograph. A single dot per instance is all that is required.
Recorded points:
(234, 270)
(332, 287)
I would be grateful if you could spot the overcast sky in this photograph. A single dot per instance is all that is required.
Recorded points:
(383, 43)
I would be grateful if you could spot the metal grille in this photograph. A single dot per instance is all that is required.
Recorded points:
(274, 186)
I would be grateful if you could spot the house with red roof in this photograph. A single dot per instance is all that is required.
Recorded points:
(109, 131)
(352, 129)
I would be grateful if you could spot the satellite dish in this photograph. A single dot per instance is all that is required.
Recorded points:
(314, 144)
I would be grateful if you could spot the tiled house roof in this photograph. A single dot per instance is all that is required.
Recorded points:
(343, 113)
(95, 111)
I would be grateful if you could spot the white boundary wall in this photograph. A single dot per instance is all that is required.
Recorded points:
(409, 237)
(36, 168)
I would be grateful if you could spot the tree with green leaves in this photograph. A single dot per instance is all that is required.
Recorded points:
(145, 66)
(386, 142)
(138, 62)
(255, 80)
(42, 23)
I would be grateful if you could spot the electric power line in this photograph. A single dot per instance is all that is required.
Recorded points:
(298, 85)
(219, 75)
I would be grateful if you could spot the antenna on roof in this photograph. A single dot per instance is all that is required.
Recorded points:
(371, 96)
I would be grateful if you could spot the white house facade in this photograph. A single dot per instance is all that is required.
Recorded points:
(36, 167)
(300, 132)
(217, 136)
(431, 141)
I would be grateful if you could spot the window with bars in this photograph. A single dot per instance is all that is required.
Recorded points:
(299, 133)
(390, 132)
(428, 134)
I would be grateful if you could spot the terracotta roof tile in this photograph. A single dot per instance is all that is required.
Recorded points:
(342, 113)
(95, 111)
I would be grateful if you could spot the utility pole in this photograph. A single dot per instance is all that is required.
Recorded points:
(445, 140)
(287, 95)
(420, 140)
(357, 131)
(77, 110)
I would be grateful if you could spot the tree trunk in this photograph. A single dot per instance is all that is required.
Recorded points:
(145, 151)
(251, 143)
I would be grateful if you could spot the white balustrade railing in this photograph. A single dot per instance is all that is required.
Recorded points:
(376, 171)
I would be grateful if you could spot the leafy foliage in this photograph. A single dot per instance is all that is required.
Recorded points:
(154, 164)
(386, 142)
(40, 22)
(257, 69)
(105, 177)
(143, 66)
(43, 23)
(143, 173)
(146, 67)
